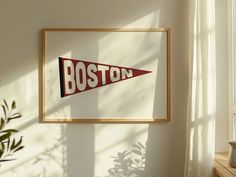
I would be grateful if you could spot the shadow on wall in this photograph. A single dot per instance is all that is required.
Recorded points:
(129, 163)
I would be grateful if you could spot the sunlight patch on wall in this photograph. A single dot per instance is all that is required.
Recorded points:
(54, 106)
(150, 20)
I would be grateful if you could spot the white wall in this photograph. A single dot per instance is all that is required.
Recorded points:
(85, 150)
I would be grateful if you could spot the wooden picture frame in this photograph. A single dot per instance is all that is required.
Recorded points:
(144, 99)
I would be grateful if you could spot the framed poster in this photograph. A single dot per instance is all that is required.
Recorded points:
(105, 75)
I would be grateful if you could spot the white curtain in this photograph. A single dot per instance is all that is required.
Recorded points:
(200, 144)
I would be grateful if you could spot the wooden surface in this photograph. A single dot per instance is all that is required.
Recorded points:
(222, 168)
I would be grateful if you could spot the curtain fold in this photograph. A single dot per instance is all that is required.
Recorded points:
(200, 142)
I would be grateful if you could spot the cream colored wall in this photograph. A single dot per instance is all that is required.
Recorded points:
(85, 150)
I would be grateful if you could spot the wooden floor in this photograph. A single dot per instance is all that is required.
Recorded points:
(222, 168)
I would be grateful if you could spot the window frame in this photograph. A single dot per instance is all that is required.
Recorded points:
(231, 69)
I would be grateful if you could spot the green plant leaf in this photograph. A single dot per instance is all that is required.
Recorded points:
(13, 144)
(18, 143)
(8, 143)
(9, 131)
(19, 148)
(14, 116)
(4, 110)
(2, 149)
(5, 160)
(2, 123)
(1, 153)
(13, 105)
(6, 104)
(3, 146)
(3, 137)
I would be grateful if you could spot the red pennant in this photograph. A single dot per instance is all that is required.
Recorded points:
(78, 76)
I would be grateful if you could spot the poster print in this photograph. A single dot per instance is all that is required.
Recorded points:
(105, 75)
